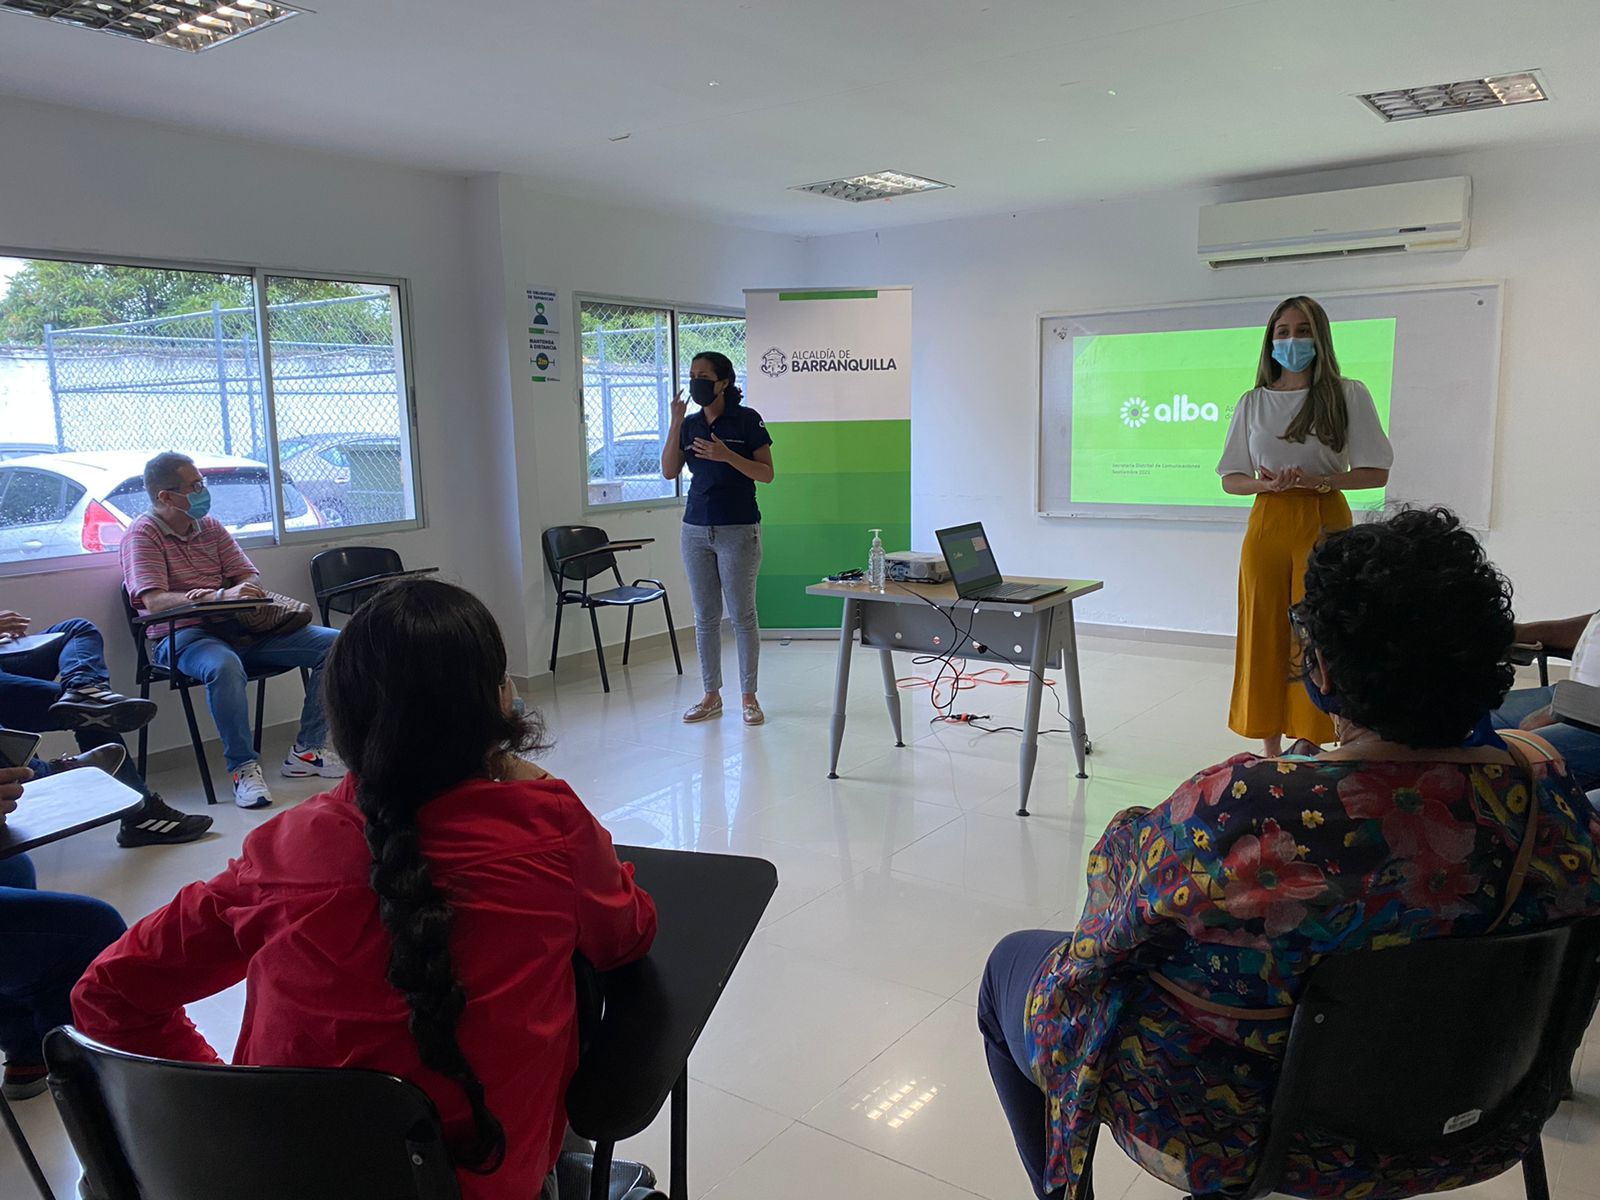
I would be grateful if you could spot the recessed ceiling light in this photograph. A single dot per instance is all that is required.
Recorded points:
(1466, 95)
(193, 25)
(879, 185)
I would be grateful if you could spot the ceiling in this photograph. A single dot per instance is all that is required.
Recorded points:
(726, 104)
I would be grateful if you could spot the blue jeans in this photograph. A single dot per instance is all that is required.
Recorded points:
(47, 941)
(722, 561)
(223, 667)
(28, 688)
(1002, 1019)
(1580, 747)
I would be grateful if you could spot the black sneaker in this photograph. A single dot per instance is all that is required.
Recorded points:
(157, 823)
(94, 704)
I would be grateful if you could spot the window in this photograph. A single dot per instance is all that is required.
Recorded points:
(636, 357)
(103, 365)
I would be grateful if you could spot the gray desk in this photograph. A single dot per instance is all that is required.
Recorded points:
(917, 618)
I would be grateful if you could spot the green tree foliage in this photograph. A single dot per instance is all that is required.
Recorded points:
(71, 295)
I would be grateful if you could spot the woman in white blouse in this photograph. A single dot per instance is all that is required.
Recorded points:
(1300, 439)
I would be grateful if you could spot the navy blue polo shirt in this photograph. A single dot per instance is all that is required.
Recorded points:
(719, 494)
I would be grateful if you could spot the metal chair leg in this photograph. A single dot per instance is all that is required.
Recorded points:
(600, 1172)
(555, 640)
(627, 637)
(25, 1151)
(144, 732)
(261, 710)
(199, 747)
(672, 634)
(1535, 1180)
(599, 650)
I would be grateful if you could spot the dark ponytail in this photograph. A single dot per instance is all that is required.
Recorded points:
(722, 367)
(422, 664)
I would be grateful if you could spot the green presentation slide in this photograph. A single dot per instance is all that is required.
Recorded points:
(1150, 410)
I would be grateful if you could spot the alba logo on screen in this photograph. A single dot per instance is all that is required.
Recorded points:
(1136, 412)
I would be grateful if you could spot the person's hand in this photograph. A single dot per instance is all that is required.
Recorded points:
(11, 781)
(1538, 719)
(716, 449)
(1289, 479)
(679, 407)
(12, 624)
(244, 591)
(201, 594)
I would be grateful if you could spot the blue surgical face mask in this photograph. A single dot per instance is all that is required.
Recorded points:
(702, 391)
(1327, 702)
(1294, 354)
(199, 503)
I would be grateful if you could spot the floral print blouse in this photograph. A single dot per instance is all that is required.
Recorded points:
(1154, 1017)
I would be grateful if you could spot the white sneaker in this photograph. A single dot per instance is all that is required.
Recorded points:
(314, 760)
(250, 787)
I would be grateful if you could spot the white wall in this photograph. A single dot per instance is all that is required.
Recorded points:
(77, 181)
(501, 457)
(981, 284)
(622, 253)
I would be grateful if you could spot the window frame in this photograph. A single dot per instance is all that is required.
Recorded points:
(676, 308)
(258, 274)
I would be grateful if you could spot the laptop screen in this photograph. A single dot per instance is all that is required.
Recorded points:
(967, 553)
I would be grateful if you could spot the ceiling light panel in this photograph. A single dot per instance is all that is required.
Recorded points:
(1467, 95)
(192, 25)
(880, 185)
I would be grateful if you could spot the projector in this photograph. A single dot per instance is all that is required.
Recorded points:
(913, 566)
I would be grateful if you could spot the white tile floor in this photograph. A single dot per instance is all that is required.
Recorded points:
(894, 882)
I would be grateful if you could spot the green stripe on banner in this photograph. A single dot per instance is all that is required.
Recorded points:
(861, 295)
(836, 481)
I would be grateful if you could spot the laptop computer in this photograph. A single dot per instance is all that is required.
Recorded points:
(973, 569)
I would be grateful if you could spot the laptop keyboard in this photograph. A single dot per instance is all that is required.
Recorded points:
(1010, 591)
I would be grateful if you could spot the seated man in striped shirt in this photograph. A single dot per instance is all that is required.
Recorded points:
(175, 555)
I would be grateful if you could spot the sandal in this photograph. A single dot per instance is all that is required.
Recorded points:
(753, 714)
(700, 712)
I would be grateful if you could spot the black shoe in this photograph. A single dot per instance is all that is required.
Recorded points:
(107, 758)
(97, 706)
(157, 823)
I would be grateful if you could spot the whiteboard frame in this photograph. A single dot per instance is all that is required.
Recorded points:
(1226, 516)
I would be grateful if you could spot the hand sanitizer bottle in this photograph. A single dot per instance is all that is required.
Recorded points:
(875, 565)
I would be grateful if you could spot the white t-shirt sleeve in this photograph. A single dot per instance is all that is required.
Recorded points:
(1366, 444)
(1586, 654)
(1236, 458)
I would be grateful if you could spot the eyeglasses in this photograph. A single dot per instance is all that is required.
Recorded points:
(1297, 623)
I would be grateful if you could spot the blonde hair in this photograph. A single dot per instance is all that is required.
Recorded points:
(1324, 413)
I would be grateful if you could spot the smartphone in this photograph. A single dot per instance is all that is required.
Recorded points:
(16, 747)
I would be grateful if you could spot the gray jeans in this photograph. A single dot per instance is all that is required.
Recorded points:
(722, 561)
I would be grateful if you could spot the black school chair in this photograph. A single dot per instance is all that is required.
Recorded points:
(148, 671)
(149, 1129)
(1419, 1052)
(346, 577)
(576, 554)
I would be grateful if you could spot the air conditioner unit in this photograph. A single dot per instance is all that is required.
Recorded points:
(1393, 218)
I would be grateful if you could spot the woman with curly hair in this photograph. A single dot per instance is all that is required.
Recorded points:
(1164, 1015)
(420, 919)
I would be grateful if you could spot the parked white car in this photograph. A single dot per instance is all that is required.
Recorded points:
(81, 502)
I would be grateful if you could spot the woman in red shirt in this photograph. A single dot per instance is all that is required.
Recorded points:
(445, 884)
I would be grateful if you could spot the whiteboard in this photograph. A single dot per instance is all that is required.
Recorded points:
(1445, 393)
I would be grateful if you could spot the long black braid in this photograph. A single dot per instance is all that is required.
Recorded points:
(421, 664)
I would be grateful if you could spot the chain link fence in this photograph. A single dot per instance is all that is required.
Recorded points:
(193, 382)
(629, 380)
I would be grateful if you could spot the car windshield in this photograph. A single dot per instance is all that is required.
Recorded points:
(240, 496)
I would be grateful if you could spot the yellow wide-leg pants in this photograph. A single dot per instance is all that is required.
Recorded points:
(1268, 697)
